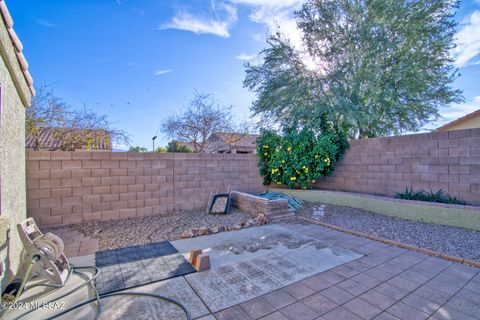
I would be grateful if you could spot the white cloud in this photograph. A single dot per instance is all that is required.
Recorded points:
(468, 40)
(131, 64)
(217, 22)
(45, 23)
(458, 110)
(258, 37)
(245, 57)
(160, 72)
(140, 11)
(268, 3)
(276, 15)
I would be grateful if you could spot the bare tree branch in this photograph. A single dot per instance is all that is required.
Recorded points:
(202, 117)
(72, 129)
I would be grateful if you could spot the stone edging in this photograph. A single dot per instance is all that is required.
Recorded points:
(397, 244)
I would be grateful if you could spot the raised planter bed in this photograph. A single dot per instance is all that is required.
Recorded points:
(272, 209)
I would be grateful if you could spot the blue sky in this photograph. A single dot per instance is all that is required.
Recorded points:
(139, 61)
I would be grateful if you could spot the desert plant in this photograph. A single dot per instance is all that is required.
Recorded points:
(421, 195)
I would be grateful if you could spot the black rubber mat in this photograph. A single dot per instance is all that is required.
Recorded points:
(125, 268)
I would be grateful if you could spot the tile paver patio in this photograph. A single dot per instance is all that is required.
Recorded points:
(387, 283)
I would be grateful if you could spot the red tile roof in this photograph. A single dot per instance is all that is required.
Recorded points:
(17, 44)
(47, 140)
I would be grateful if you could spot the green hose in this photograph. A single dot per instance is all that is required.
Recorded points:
(89, 281)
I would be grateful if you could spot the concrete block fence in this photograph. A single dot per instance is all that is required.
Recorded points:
(430, 161)
(73, 187)
(79, 186)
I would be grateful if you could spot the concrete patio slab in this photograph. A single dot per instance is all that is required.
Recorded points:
(116, 307)
(400, 284)
(284, 257)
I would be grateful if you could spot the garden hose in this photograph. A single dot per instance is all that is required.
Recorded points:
(98, 297)
(17, 287)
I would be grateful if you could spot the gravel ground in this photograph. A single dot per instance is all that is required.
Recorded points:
(446, 239)
(135, 231)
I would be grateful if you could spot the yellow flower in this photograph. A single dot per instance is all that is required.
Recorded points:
(265, 153)
(289, 148)
(266, 147)
(278, 182)
(283, 161)
(293, 178)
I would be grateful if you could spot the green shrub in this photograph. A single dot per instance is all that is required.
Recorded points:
(421, 195)
(176, 146)
(297, 159)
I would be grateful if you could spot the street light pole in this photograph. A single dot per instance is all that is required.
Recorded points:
(153, 142)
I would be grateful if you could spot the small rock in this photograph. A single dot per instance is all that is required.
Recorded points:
(190, 233)
(236, 250)
(250, 222)
(216, 229)
(261, 219)
(97, 232)
(204, 231)
(253, 247)
(238, 226)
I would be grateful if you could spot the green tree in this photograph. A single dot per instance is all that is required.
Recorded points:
(138, 149)
(175, 146)
(380, 67)
(161, 150)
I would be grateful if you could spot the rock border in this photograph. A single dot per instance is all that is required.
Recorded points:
(396, 243)
(261, 219)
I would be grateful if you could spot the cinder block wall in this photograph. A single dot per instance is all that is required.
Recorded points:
(430, 161)
(73, 187)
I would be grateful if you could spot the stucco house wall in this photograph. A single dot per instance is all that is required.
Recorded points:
(473, 122)
(469, 121)
(15, 96)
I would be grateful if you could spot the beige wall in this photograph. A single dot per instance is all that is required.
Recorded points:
(431, 161)
(73, 187)
(15, 97)
(471, 123)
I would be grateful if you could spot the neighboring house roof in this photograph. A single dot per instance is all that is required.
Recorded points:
(17, 45)
(465, 122)
(224, 141)
(47, 140)
(238, 139)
